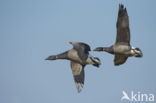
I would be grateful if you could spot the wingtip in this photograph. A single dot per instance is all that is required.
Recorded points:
(122, 10)
(122, 7)
(79, 87)
(116, 64)
(78, 91)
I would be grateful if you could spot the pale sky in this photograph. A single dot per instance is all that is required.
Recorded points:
(31, 30)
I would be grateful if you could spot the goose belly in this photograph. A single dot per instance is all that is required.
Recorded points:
(73, 55)
(121, 49)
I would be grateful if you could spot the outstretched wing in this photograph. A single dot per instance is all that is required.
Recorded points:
(120, 59)
(78, 74)
(123, 31)
(82, 48)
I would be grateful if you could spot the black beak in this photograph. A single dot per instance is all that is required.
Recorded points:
(140, 55)
(97, 65)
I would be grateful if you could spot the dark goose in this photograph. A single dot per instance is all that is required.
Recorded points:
(79, 57)
(122, 48)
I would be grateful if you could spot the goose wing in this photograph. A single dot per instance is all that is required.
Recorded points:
(123, 31)
(82, 48)
(120, 59)
(78, 74)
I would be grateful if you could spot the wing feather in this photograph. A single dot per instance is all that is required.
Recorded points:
(120, 59)
(82, 48)
(123, 31)
(78, 74)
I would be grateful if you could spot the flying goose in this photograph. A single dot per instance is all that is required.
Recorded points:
(79, 57)
(122, 48)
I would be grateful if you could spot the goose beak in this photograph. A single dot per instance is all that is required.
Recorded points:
(139, 55)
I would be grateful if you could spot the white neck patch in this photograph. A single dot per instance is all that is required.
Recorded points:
(133, 47)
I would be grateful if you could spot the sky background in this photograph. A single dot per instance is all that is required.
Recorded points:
(31, 30)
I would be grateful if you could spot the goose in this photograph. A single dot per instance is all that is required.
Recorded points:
(122, 48)
(79, 57)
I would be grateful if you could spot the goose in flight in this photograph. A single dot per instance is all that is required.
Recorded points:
(79, 57)
(122, 48)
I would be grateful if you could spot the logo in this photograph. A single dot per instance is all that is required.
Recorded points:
(137, 96)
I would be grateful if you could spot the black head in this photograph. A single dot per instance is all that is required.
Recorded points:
(138, 52)
(96, 61)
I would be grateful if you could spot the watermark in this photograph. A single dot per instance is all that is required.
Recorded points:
(137, 96)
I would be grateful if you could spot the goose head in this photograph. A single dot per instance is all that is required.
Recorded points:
(137, 52)
(96, 61)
